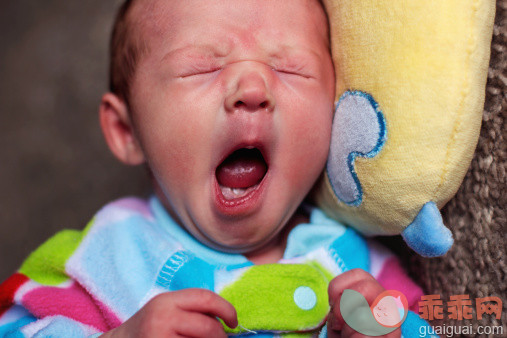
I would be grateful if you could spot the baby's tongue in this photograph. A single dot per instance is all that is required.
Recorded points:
(242, 169)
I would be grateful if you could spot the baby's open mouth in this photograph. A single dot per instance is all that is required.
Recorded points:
(241, 172)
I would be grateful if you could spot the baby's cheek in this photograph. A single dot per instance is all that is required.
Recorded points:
(308, 150)
(175, 159)
(313, 134)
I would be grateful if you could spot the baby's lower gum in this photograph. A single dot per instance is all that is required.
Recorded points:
(233, 193)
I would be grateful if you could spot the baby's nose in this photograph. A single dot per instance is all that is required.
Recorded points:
(250, 93)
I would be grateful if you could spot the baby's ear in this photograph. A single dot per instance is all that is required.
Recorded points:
(118, 130)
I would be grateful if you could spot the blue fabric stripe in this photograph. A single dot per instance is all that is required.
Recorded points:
(183, 271)
(123, 259)
(415, 326)
(62, 327)
(350, 251)
(13, 329)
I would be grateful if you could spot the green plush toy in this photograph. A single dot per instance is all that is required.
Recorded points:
(294, 297)
(410, 91)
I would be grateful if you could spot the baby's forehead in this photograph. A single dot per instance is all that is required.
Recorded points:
(152, 18)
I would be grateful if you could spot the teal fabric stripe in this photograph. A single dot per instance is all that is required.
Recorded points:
(13, 329)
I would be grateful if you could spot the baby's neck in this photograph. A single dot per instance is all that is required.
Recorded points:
(273, 251)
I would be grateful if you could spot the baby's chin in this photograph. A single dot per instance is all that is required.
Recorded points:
(255, 240)
(238, 245)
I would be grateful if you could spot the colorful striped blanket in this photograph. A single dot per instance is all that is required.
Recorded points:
(83, 283)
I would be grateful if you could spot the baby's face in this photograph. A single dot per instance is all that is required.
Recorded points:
(232, 106)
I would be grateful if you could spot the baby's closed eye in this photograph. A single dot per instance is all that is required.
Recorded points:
(198, 66)
(297, 66)
(199, 70)
(289, 71)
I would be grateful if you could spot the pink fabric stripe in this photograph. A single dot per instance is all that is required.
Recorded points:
(72, 302)
(393, 277)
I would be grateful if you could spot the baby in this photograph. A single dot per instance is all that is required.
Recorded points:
(230, 105)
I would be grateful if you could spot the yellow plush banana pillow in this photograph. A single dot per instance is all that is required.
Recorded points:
(411, 78)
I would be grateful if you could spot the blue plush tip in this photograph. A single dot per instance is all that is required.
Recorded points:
(427, 235)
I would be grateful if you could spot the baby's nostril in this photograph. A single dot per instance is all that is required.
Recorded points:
(239, 104)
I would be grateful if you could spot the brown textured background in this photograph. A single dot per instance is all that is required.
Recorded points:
(55, 169)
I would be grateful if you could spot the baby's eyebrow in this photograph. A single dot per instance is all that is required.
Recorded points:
(209, 50)
(293, 52)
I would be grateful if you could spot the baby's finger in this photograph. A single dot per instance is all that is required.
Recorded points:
(199, 325)
(208, 302)
(369, 288)
(343, 281)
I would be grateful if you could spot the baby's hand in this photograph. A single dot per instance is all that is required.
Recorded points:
(188, 313)
(358, 280)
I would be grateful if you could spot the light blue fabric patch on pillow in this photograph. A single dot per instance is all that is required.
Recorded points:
(359, 129)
